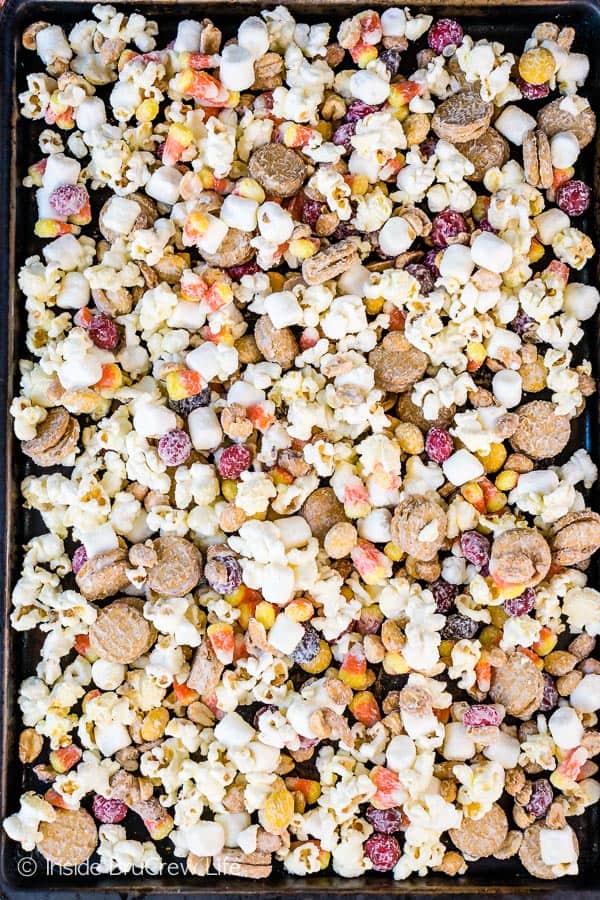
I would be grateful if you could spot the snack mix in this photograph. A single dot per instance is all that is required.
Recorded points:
(302, 375)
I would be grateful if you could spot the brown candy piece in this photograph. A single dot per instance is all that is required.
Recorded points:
(234, 250)
(575, 537)
(278, 169)
(530, 853)
(178, 569)
(104, 575)
(331, 262)
(478, 838)
(277, 345)
(322, 510)
(413, 515)
(70, 839)
(396, 363)
(520, 556)
(485, 152)
(120, 633)
(518, 685)
(541, 433)
(552, 119)
(537, 161)
(462, 117)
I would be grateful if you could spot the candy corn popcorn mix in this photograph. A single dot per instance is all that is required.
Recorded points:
(313, 589)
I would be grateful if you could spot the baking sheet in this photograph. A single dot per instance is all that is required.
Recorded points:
(509, 22)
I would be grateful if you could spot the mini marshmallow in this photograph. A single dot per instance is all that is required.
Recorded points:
(581, 300)
(163, 185)
(514, 123)
(576, 67)
(233, 824)
(75, 291)
(110, 738)
(564, 149)
(294, 532)
(285, 634)
(237, 68)
(457, 262)
(153, 421)
(393, 22)
(232, 730)
(254, 36)
(504, 750)
(120, 214)
(566, 728)
(369, 87)
(102, 539)
(108, 675)
(507, 387)
(188, 315)
(354, 280)
(586, 695)
(401, 753)
(275, 224)
(458, 745)
(491, 252)
(461, 467)
(549, 223)
(60, 169)
(205, 838)
(239, 212)
(395, 237)
(557, 847)
(283, 309)
(90, 114)
(205, 429)
(188, 37)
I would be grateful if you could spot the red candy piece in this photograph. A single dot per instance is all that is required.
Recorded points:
(107, 810)
(480, 715)
(475, 547)
(104, 332)
(386, 821)
(447, 225)
(533, 91)
(541, 798)
(444, 33)
(79, 559)
(439, 445)
(383, 850)
(174, 447)
(520, 606)
(233, 461)
(574, 197)
(68, 199)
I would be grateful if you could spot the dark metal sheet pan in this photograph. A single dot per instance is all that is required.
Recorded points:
(509, 21)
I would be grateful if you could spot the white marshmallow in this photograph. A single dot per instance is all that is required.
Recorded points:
(393, 22)
(232, 730)
(101, 540)
(514, 123)
(90, 114)
(163, 185)
(239, 212)
(491, 252)
(549, 223)
(586, 695)
(566, 728)
(283, 309)
(401, 753)
(564, 149)
(253, 36)
(507, 387)
(294, 531)
(354, 280)
(153, 421)
(576, 67)
(110, 738)
(557, 847)
(395, 237)
(188, 315)
(369, 87)
(458, 745)
(60, 169)
(119, 214)
(285, 634)
(205, 838)
(461, 467)
(188, 37)
(275, 224)
(457, 262)
(505, 750)
(108, 675)
(205, 428)
(237, 68)
(581, 300)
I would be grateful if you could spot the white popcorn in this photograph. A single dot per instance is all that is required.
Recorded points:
(566, 728)
(253, 35)
(24, 825)
(369, 87)
(461, 467)
(275, 224)
(233, 731)
(549, 224)
(581, 300)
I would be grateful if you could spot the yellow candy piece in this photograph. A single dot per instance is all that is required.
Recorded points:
(507, 480)
(265, 614)
(321, 661)
(395, 664)
(278, 810)
(537, 66)
(154, 724)
(494, 460)
(393, 552)
(229, 488)
(147, 110)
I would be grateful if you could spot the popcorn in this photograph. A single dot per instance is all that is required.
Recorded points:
(565, 728)
(491, 252)
(23, 826)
